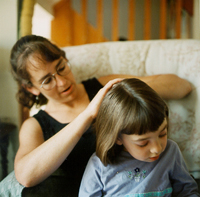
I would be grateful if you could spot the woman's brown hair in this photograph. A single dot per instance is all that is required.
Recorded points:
(130, 107)
(23, 49)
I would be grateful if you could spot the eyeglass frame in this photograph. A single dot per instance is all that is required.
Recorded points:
(57, 72)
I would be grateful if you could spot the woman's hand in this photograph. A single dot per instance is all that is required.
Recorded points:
(94, 105)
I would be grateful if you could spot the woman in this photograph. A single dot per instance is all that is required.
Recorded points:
(51, 150)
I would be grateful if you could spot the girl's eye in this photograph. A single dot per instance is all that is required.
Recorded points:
(143, 145)
(163, 135)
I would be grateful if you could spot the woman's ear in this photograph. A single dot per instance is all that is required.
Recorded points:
(119, 141)
(32, 90)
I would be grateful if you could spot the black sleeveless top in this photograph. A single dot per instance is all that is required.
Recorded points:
(66, 180)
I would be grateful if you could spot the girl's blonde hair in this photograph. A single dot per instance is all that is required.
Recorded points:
(130, 107)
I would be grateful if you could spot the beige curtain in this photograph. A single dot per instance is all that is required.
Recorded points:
(26, 17)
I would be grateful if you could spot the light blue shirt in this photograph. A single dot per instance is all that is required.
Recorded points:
(167, 176)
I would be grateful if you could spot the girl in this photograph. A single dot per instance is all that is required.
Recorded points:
(53, 153)
(133, 155)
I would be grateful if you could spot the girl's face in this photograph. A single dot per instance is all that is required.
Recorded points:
(65, 88)
(146, 147)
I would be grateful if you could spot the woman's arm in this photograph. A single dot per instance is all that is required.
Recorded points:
(37, 159)
(168, 86)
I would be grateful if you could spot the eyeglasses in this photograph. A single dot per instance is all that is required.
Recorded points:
(62, 70)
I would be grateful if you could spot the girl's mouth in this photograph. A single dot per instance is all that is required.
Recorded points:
(154, 158)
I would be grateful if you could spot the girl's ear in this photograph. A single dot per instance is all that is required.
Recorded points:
(119, 141)
(32, 90)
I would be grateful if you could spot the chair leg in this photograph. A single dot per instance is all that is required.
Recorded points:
(4, 142)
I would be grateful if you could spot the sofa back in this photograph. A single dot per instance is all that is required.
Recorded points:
(143, 58)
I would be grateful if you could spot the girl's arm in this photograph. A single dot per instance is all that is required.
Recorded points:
(182, 182)
(37, 159)
(168, 86)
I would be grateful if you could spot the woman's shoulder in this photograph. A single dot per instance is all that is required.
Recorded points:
(44, 117)
(41, 115)
(30, 136)
(30, 125)
(29, 122)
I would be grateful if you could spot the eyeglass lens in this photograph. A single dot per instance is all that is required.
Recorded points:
(50, 81)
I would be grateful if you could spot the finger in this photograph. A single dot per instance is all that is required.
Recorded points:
(96, 101)
(108, 86)
(112, 82)
(102, 92)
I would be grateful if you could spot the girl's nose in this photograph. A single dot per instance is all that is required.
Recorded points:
(60, 80)
(156, 147)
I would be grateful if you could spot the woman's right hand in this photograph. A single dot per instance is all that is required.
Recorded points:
(94, 105)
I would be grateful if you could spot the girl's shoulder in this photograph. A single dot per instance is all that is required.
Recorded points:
(95, 164)
(172, 149)
(172, 145)
(94, 159)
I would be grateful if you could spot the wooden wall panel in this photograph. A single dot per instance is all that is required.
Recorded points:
(84, 26)
(61, 26)
(100, 21)
(79, 29)
(163, 19)
(115, 20)
(178, 18)
(92, 34)
(72, 28)
(147, 20)
(131, 20)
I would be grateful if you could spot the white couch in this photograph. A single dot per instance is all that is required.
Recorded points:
(142, 58)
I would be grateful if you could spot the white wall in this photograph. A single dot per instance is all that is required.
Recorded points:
(8, 36)
(41, 22)
(47, 4)
(8, 104)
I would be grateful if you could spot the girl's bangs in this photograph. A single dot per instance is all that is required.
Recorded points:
(141, 121)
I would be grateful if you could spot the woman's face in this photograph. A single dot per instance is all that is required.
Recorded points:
(146, 147)
(65, 89)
